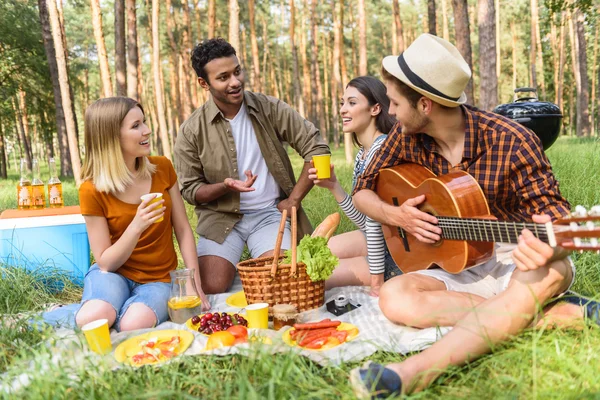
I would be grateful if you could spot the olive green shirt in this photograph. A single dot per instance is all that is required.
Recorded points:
(205, 153)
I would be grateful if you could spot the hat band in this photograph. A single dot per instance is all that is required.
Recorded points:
(420, 83)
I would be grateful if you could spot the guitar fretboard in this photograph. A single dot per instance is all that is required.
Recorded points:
(482, 230)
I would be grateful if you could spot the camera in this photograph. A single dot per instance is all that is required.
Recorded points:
(340, 305)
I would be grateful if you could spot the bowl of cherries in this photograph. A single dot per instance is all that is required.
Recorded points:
(215, 322)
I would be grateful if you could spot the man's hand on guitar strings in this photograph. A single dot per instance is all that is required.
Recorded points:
(532, 253)
(421, 225)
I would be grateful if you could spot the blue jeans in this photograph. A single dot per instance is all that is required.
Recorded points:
(119, 292)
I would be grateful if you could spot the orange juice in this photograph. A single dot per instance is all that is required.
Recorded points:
(24, 195)
(55, 192)
(183, 308)
(24, 189)
(55, 195)
(38, 200)
(38, 197)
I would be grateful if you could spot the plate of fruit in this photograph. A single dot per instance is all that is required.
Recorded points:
(210, 323)
(153, 347)
(321, 335)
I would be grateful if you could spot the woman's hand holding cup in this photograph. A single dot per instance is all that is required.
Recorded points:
(327, 183)
(151, 210)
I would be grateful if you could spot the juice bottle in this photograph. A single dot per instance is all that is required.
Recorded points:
(37, 187)
(24, 189)
(55, 193)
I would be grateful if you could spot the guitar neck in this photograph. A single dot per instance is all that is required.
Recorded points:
(483, 230)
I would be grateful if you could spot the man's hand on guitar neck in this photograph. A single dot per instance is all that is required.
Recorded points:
(421, 225)
(532, 253)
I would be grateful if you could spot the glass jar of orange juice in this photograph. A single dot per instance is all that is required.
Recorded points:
(184, 301)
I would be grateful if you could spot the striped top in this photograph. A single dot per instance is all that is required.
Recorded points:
(372, 229)
(504, 157)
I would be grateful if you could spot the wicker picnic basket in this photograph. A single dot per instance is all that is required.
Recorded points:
(266, 281)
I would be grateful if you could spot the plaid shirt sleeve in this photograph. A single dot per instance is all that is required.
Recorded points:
(387, 156)
(534, 183)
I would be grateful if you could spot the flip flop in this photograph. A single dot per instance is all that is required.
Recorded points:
(375, 381)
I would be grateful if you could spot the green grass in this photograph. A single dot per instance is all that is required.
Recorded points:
(538, 364)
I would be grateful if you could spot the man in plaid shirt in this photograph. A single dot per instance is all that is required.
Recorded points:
(494, 300)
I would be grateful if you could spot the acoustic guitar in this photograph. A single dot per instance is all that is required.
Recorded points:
(469, 231)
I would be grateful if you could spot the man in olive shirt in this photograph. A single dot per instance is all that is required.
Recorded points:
(233, 167)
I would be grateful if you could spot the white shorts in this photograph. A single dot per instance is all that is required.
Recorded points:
(257, 229)
(484, 280)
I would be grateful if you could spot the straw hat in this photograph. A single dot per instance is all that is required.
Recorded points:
(433, 67)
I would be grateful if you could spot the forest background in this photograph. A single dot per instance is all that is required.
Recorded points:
(58, 56)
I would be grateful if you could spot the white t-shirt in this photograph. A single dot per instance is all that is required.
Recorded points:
(249, 157)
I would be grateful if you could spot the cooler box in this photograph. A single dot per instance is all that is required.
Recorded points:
(49, 240)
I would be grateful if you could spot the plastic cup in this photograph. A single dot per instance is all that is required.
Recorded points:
(322, 164)
(154, 200)
(257, 315)
(98, 336)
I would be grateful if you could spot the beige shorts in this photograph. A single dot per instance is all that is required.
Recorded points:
(485, 280)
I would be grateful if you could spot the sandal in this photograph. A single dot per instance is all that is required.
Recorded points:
(591, 308)
(375, 381)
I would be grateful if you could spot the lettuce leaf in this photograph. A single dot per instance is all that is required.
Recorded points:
(313, 252)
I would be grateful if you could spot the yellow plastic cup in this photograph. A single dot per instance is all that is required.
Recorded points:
(322, 164)
(154, 200)
(257, 315)
(98, 336)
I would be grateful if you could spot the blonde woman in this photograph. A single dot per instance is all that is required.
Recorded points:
(134, 252)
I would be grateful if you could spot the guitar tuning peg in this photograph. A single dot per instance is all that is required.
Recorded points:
(580, 211)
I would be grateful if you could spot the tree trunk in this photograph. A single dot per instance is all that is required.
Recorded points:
(298, 100)
(561, 62)
(431, 17)
(174, 67)
(318, 110)
(120, 52)
(583, 112)
(234, 24)
(132, 51)
(498, 48)
(463, 39)
(198, 21)
(158, 90)
(353, 43)
(513, 31)
(327, 63)
(24, 120)
(61, 128)
(595, 80)
(141, 89)
(539, 54)
(3, 160)
(256, 75)
(532, 47)
(362, 38)
(63, 79)
(336, 81)
(189, 102)
(101, 48)
(211, 18)
(399, 35)
(488, 91)
(343, 68)
(305, 66)
(445, 30)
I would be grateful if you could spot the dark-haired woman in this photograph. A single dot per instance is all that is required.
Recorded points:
(364, 259)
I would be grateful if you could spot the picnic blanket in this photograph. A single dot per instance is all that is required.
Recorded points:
(69, 350)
